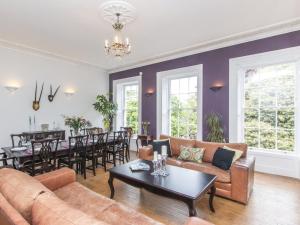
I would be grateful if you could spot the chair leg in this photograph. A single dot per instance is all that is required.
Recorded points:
(94, 165)
(84, 168)
(114, 158)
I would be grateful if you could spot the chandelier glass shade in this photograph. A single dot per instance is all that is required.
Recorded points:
(119, 46)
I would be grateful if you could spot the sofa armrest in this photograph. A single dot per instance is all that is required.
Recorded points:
(146, 152)
(57, 179)
(197, 221)
(242, 178)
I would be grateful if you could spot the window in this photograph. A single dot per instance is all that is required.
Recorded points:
(183, 107)
(127, 94)
(131, 111)
(269, 107)
(179, 98)
(264, 99)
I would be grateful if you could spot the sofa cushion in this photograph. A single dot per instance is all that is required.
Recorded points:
(50, 210)
(20, 190)
(223, 158)
(77, 195)
(237, 153)
(176, 143)
(9, 215)
(118, 214)
(157, 146)
(222, 175)
(100, 207)
(211, 148)
(191, 154)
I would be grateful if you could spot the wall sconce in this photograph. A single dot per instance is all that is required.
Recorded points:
(12, 87)
(216, 87)
(69, 93)
(149, 92)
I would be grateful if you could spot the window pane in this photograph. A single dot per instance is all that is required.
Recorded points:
(268, 139)
(286, 140)
(251, 97)
(286, 118)
(267, 97)
(267, 118)
(184, 85)
(252, 118)
(252, 137)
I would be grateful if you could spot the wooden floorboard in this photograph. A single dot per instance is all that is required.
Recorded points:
(275, 201)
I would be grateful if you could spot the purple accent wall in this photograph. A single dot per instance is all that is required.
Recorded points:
(215, 69)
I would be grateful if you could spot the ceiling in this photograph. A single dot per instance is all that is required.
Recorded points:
(74, 29)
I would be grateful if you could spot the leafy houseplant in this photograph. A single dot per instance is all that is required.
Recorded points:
(107, 109)
(76, 123)
(215, 130)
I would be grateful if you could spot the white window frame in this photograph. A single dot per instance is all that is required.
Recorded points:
(118, 97)
(237, 68)
(163, 96)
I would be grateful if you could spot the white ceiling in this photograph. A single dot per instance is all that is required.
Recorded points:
(75, 29)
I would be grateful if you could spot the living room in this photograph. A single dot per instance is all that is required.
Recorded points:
(149, 112)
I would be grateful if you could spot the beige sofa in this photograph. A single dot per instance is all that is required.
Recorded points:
(56, 198)
(235, 184)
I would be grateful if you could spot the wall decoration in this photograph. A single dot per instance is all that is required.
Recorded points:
(36, 103)
(51, 95)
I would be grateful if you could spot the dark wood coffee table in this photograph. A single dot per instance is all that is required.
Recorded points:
(182, 184)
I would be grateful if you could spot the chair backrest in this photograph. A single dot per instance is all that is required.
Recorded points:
(78, 145)
(93, 130)
(120, 138)
(44, 150)
(18, 140)
(99, 141)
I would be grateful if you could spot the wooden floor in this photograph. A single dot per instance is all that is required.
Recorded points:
(275, 201)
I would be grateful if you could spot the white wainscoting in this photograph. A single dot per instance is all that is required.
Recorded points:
(276, 163)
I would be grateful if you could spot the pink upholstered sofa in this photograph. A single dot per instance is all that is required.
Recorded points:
(56, 198)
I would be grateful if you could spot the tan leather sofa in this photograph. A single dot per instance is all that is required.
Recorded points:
(235, 184)
(56, 198)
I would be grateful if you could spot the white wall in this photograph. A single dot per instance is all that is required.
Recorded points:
(25, 68)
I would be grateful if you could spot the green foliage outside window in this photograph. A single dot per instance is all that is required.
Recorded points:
(269, 107)
(131, 110)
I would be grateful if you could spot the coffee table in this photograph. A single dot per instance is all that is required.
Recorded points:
(182, 184)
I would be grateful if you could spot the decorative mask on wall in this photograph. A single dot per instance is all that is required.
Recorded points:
(51, 95)
(36, 103)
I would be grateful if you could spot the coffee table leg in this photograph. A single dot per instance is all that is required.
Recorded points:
(192, 208)
(211, 198)
(111, 186)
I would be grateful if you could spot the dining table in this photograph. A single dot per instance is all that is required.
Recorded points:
(25, 155)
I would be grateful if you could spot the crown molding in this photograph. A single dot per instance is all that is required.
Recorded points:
(239, 38)
(43, 53)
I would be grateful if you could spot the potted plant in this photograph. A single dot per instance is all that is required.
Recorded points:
(107, 109)
(76, 123)
(215, 130)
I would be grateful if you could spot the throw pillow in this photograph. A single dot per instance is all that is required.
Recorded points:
(237, 153)
(157, 144)
(223, 158)
(191, 154)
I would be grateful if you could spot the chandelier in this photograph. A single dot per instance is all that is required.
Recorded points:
(119, 46)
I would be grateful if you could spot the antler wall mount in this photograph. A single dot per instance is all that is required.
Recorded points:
(36, 103)
(51, 95)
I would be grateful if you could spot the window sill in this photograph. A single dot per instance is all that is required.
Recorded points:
(274, 154)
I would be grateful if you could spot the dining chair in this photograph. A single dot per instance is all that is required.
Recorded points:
(5, 161)
(93, 130)
(76, 154)
(128, 137)
(117, 148)
(18, 140)
(98, 150)
(43, 157)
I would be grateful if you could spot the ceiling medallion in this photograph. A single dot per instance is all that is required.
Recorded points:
(118, 12)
